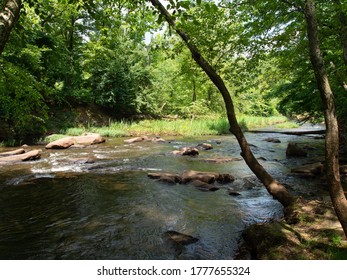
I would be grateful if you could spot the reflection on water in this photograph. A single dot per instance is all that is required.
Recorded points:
(57, 209)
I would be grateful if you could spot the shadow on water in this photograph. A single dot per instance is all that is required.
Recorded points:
(109, 209)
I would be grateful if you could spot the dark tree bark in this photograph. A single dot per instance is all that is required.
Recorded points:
(332, 133)
(277, 190)
(9, 15)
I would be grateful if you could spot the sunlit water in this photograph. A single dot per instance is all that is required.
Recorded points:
(56, 209)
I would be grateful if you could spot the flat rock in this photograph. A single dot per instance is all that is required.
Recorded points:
(88, 139)
(12, 153)
(66, 142)
(136, 139)
(31, 155)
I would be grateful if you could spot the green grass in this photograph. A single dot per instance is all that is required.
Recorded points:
(184, 127)
(287, 125)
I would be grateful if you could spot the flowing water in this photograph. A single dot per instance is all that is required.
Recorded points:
(60, 208)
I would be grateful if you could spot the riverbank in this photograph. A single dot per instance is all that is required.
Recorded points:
(316, 235)
(211, 125)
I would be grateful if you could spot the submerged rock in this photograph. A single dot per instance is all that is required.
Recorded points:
(272, 140)
(180, 238)
(233, 193)
(170, 178)
(82, 160)
(202, 186)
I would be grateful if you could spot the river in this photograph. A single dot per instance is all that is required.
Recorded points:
(54, 208)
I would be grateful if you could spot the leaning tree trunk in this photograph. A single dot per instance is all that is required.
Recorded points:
(332, 137)
(9, 15)
(277, 190)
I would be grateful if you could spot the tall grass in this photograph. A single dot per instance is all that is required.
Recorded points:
(185, 127)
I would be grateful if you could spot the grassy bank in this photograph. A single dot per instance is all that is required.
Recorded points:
(183, 127)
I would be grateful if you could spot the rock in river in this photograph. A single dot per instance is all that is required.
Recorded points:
(12, 153)
(180, 238)
(32, 155)
(66, 142)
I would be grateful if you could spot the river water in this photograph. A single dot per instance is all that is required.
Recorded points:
(55, 208)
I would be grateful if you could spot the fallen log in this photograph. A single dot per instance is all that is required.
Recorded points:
(298, 133)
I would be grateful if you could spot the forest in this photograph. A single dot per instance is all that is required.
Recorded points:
(121, 57)
(122, 61)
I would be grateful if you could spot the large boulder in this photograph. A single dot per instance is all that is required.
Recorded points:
(66, 142)
(32, 155)
(89, 139)
(62, 143)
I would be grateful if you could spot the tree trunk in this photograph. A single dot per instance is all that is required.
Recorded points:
(332, 137)
(277, 190)
(9, 15)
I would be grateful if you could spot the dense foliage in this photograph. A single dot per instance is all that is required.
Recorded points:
(120, 56)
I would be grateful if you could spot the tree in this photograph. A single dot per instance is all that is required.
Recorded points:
(277, 190)
(9, 15)
(332, 138)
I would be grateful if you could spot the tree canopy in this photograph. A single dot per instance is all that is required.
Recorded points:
(120, 55)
